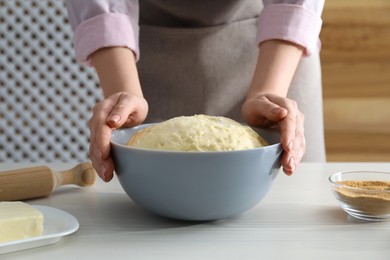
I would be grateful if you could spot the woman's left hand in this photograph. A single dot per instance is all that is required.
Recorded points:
(270, 110)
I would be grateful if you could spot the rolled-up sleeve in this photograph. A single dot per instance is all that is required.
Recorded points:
(103, 23)
(296, 21)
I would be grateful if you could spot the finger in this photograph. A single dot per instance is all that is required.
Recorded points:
(293, 157)
(276, 107)
(100, 131)
(96, 122)
(104, 168)
(124, 111)
(93, 151)
(108, 170)
(300, 147)
(288, 163)
(101, 142)
(288, 125)
(263, 111)
(100, 135)
(95, 161)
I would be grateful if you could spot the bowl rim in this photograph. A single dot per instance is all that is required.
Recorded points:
(338, 185)
(277, 146)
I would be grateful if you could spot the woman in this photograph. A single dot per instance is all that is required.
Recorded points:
(234, 58)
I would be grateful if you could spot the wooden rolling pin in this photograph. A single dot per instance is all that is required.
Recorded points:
(41, 181)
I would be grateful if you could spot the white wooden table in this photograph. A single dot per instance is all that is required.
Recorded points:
(298, 219)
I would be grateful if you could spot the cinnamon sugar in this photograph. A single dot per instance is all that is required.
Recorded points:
(369, 197)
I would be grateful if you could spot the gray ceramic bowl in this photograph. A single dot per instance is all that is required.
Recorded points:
(195, 186)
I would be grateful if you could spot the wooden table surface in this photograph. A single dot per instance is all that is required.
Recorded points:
(298, 219)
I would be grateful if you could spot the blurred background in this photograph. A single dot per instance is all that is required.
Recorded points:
(46, 97)
(356, 79)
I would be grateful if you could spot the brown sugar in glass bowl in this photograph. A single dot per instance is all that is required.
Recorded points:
(363, 194)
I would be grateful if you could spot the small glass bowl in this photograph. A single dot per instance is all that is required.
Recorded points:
(363, 194)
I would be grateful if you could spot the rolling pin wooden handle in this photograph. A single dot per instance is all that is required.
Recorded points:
(26, 183)
(82, 174)
(40, 181)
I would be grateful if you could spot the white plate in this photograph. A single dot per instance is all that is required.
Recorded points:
(57, 223)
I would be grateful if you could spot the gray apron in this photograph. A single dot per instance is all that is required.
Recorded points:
(200, 56)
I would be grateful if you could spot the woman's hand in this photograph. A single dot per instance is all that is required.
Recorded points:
(118, 110)
(270, 110)
(123, 106)
(266, 104)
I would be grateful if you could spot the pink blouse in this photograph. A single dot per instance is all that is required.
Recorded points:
(106, 23)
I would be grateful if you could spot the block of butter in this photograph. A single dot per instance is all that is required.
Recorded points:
(19, 220)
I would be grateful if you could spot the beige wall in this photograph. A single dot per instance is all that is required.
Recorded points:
(356, 77)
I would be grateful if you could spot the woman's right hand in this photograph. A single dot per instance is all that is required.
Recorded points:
(118, 110)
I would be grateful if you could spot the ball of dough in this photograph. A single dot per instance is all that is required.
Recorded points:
(197, 133)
